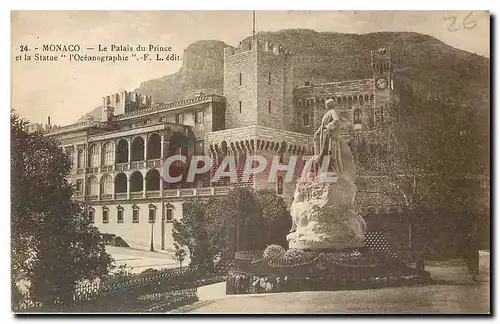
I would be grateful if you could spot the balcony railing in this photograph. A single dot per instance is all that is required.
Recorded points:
(169, 193)
(221, 190)
(106, 196)
(156, 163)
(122, 166)
(153, 193)
(136, 195)
(91, 197)
(121, 195)
(137, 165)
(205, 191)
(187, 192)
(106, 168)
(92, 169)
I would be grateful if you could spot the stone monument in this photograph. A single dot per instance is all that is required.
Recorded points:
(322, 211)
(326, 243)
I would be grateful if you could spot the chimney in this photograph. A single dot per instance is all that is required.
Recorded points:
(48, 120)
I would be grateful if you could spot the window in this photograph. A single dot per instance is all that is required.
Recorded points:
(240, 79)
(91, 215)
(135, 214)
(92, 186)
(170, 213)
(199, 148)
(305, 120)
(279, 188)
(79, 185)
(108, 153)
(198, 117)
(269, 106)
(105, 215)
(179, 118)
(269, 78)
(79, 162)
(357, 116)
(107, 185)
(152, 213)
(93, 156)
(119, 214)
(240, 106)
(382, 115)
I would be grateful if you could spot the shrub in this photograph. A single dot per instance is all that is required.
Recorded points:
(273, 251)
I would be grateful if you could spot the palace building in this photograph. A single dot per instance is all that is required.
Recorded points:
(117, 160)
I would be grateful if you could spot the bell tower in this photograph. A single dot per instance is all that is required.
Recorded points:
(384, 84)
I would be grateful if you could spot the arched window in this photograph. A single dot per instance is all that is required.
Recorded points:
(152, 213)
(371, 97)
(122, 151)
(357, 116)
(169, 213)
(137, 149)
(107, 185)
(279, 187)
(366, 97)
(382, 115)
(108, 152)
(136, 182)
(119, 214)
(92, 186)
(93, 156)
(135, 214)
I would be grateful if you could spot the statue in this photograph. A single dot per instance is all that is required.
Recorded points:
(322, 211)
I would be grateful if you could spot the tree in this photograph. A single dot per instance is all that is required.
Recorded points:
(423, 159)
(53, 243)
(243, 220)
(190, 231)
(276, 217)
(179, 255)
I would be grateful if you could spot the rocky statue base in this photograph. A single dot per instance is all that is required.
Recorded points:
(324, 217)
(299, 270)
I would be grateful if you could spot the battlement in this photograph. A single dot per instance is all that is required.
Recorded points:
(124, 102)
(39, 127)
(383, 52)
(257, 45)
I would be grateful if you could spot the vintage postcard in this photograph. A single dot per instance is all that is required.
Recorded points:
(253, 162)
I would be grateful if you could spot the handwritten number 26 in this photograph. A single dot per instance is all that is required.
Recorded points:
(467, 23)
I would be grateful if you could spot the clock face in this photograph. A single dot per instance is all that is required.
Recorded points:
(381, 83)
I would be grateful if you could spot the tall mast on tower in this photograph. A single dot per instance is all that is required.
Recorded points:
(253, 29)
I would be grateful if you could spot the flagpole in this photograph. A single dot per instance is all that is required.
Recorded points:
(253, 30)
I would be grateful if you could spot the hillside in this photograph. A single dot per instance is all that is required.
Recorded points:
(430, 67)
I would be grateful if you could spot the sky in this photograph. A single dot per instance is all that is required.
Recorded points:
(67, 90)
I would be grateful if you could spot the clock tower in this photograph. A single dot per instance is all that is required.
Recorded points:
(382, 78)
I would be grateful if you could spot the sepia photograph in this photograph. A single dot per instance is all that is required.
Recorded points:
(250, 162)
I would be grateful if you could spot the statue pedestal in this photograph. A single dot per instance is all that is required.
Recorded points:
(324, 217)
(300, 270)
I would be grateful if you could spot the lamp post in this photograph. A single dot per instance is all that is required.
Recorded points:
(151, 247)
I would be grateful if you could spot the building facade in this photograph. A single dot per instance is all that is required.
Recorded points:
(118, 160)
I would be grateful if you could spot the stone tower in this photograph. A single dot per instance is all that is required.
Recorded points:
(258, 86)
(382, 75)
